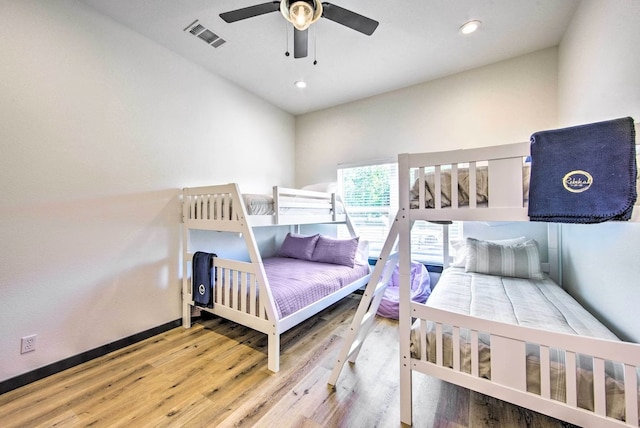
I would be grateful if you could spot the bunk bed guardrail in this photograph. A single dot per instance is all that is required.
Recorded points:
(508, 366)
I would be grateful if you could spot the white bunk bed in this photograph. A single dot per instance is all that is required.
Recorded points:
(242, 293)
(426, 181)
(508, 375)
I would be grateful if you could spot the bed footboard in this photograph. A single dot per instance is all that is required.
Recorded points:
(614, 395)
(236, 293)
(239, 296)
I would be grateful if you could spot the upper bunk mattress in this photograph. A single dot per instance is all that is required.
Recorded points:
(296, 284)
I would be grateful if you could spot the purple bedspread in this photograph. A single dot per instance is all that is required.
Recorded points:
(296, 284)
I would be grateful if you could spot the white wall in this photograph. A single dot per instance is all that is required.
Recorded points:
(599, 67)
(599, 79)
(100, 129)
(496, 104)
(594, 75)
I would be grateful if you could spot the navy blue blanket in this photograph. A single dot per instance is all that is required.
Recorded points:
(584, 174)
(202, 279)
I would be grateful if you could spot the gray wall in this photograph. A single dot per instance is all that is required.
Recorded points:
(101, 128)
(497, 104)
(593, 75)
(599, 79)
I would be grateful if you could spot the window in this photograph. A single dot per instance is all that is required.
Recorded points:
(370, 194)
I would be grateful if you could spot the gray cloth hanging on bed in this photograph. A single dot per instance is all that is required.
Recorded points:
(584, 174)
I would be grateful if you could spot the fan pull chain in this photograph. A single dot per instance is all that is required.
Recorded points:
(315, 47)
(286, 33)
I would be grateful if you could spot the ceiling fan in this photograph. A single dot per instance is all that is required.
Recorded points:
(303, 13)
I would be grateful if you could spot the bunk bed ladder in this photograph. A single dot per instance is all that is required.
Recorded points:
(368, 307)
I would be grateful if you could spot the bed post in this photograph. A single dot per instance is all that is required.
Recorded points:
(186, 305)
(273, 335)
(273, 351)
(554, 240)
(404, 248)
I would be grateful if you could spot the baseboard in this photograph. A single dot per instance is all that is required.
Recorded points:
(67, 363)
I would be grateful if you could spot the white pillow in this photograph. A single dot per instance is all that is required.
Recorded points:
(460, 246)
(362, 253)
(322, 187)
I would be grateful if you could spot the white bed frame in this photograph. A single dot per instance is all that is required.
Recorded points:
(508, 374)
(247, 299)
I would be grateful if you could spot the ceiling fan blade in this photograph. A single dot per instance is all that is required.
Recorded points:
(250, 12)
(300, 43)
(349, 19)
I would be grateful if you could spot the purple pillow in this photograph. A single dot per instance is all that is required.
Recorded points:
(298, 246)
(336, 251)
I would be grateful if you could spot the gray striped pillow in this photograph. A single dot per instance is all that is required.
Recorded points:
(518, 260)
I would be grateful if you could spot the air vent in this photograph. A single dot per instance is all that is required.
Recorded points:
(204, 34)
(196, 29)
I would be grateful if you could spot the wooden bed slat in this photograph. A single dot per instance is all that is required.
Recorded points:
(218, 288)
(226, 280)
(235, 291)
(253, 301)
(421, 188)
(475, 354)
(571, 379)
(456, 348)
(454, 186)
(423, 339)
(599, 392)
(473, 185)
(439, 357)
(244, 292)
(437, 180)
(631, 394)
(545, 372)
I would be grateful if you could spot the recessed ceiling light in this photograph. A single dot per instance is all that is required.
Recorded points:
(470, 27)
(301, 84)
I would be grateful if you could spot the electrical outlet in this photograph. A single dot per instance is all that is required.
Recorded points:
(28, 344)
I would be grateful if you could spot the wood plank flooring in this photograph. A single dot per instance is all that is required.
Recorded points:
(215, 375)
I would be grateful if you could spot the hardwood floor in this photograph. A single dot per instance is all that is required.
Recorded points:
(215, 375)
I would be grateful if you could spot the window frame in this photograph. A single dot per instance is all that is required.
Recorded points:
(433, 238)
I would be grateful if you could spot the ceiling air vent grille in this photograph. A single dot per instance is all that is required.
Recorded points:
(203, 33)
(196, 29)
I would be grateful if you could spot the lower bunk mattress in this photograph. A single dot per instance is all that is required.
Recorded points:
(538, 304)
(296, 284)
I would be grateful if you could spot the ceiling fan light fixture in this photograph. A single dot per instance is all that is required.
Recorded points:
(470, 27)
(300, 84)
(301, 13)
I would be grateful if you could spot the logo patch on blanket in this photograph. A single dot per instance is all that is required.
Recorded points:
(577, 181)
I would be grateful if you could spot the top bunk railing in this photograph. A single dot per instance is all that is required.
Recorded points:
(218, 207)
(438, 184)
(290, 203)
(435, 186)
(225, 208)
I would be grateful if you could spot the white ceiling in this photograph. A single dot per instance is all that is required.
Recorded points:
(416, 41)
